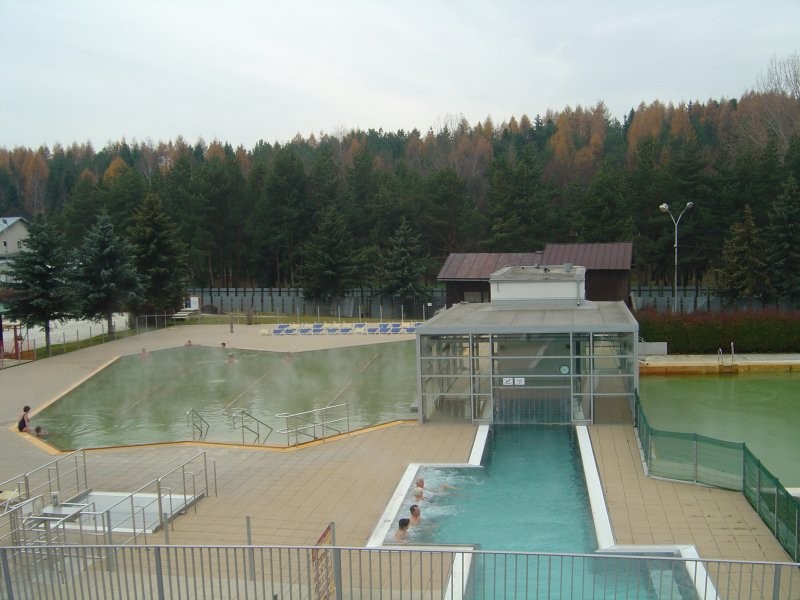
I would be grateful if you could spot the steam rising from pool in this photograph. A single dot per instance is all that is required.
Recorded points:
(144, 398)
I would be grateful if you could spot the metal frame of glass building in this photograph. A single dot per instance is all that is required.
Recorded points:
(539, 352)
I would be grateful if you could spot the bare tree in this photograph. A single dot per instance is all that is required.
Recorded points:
(779, 88)
(782, 76)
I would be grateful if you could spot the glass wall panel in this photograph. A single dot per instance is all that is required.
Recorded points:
(545, 378)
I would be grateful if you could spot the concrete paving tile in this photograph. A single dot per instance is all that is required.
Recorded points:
(291, 496)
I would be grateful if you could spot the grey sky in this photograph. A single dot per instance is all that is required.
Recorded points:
(239, 71)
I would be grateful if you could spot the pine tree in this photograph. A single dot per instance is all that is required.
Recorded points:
(160, 257)
(106, 277)
(743, 273)
(403, 266)
(40, 279)
(782, 238)
(330, 265)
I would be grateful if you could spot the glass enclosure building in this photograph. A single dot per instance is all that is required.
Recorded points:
(537, 353)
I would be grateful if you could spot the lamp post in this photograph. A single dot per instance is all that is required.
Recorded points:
(665, 208)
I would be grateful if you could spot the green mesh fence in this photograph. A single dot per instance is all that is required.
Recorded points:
(728, 465)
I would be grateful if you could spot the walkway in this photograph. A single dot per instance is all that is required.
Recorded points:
(292, 495)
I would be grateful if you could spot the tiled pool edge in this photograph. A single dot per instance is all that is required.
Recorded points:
(597, 500)
(605, 533)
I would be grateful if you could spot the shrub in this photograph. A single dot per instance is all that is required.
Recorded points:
(704, 333)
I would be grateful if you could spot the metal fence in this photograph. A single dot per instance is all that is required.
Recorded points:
(692, 299)
(362, 303)
(328, 572)
(729, 465)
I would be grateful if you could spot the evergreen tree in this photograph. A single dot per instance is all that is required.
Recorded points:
(404, 264)
(285, 213)
(122, 191)
(330, 264)
(189, 209)
(743, 273)
(81, 210)
(107, 280)
(160, 257)
(605, 216)
(447, 210)
(40, 279)
(520, 216)
(782, 238)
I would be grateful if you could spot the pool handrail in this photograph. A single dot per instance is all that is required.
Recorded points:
(245, 418)
(307, 422)
(197, 424)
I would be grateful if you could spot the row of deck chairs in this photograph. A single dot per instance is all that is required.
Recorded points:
(341, 329)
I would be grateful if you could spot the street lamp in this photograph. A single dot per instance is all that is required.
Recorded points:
(665, 208)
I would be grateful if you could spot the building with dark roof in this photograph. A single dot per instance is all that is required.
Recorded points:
(608, 270)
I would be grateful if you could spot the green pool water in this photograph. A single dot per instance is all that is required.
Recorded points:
(140, 400)
(761, 410)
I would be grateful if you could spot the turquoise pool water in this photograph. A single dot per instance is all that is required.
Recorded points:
(141, 400)
(530, 495)
(760, 409)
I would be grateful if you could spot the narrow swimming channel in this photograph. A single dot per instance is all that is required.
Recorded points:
(528, 495)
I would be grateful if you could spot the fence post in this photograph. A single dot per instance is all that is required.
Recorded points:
(6, 574)
(251, 557)
(110, 539)
(159, 572)
(776, 583)
(796, 534)
(337, 563)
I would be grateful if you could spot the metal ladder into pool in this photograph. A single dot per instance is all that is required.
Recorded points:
(248, 423)
(197, 424)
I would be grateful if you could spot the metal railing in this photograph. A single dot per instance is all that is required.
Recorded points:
(65, 476)
(116, 519)
(197, 424)
(316, 424)
(327, 572)
(248, 423)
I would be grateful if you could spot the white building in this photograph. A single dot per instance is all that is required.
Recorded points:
(13, 232)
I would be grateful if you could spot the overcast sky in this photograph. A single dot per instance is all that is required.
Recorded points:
(240, 71)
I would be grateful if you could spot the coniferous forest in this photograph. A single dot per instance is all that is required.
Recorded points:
(329, 212)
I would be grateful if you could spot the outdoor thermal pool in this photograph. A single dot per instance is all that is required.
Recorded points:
(144, 399)
(760, 409)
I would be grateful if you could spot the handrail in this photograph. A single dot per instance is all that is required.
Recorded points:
(245, 425)
(309, 420)
(197, 424)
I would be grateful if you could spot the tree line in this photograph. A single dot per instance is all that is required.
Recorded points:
(328, 212)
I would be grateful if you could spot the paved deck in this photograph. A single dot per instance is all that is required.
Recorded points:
(291, 496)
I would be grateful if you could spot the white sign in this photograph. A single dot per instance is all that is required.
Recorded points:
(519, 381)
(508, 381)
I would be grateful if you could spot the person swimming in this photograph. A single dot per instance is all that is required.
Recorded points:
(416, 516)
(401, 535)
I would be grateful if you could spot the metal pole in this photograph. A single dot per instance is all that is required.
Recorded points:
(251, 556)
(675, 278)
(665, 208)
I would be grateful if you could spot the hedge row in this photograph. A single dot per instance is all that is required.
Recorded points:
(762, 332)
